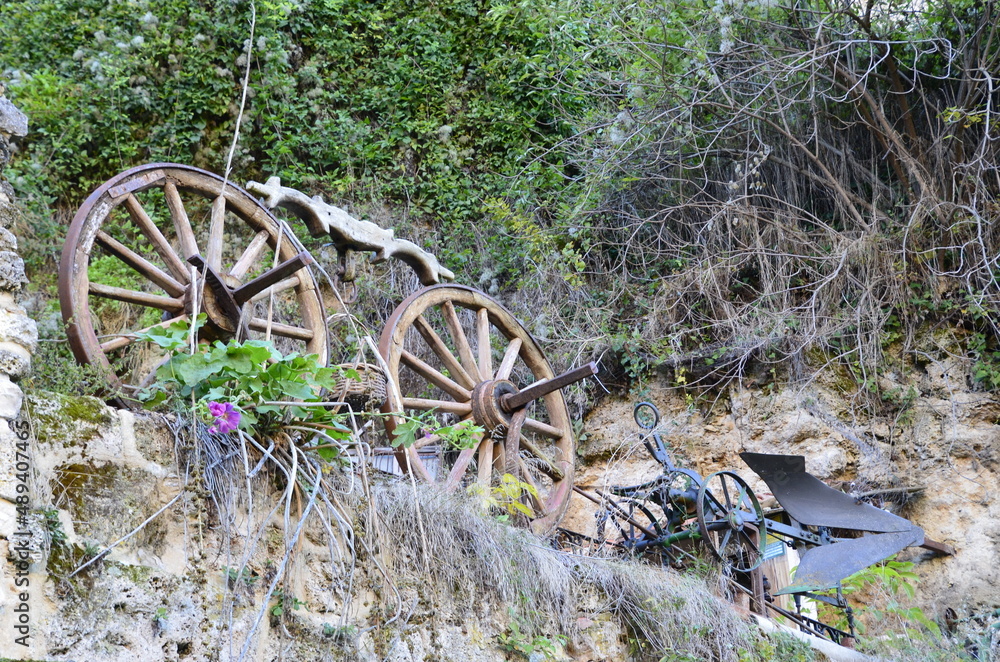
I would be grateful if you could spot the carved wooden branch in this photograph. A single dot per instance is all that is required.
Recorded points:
(350, 233)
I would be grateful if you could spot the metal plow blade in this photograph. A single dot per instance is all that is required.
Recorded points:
(810, 501)
(824, 566)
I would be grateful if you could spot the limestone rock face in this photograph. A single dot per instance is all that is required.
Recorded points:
(10, 398)
(12, 120)
(19, 330)
(174, 585)
(18, 333)
(11, 271)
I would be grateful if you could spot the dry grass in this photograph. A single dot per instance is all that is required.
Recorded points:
(668, 611)
(472, 555)
(469, 553)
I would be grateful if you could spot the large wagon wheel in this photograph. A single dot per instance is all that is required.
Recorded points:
(455, 351)
(731, 521)
(125, 267)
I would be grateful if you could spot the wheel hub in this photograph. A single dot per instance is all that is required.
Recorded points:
(487, 409)
(223, 302)
(735, 519)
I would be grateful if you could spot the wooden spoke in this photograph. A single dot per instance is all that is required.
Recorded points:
(285, 330)
(280, 286)
(437, 345)
(413, 462)
(151, 377)
(509, 357)
(140, 298)
(157, 249)
(435, 377)
(461, 342)
(446, 406)
(543, 428)
(429, 440)
(526, 476)
(549, 467)
(117, 343)
(250, 255)
(160, 243)
(458, 469)
(216, 232)
(485, 460)
(120, 341)
(149, 270)
(483, 341)
(182, 225)
(499, 457)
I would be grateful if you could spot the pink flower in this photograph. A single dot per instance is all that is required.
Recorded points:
(226, 417)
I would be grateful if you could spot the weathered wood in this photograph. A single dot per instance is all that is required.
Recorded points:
(139, 298)
(146, 268)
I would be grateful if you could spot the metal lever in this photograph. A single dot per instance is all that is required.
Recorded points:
(659, 451)
(223, 295)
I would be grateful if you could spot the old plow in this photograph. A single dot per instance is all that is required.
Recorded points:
(834, 534)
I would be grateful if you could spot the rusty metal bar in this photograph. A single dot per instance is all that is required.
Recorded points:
(223, 295)
(939, 547)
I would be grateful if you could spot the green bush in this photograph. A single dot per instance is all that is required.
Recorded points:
(430, 107)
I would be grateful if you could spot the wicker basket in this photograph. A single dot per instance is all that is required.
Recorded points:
(367, 392)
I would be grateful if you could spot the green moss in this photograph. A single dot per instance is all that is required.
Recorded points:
(67, 420)
(75, 483)
(107, 500)
(86, 408)
(62, 561)
(838, 374)
(137, 574)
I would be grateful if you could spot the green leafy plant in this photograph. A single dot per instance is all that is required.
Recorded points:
(239, 577)
(890, 575)
(246, 378)
(283, 601)
(54, 369)
(886, 587)
(340, 633)
(463, 435)
(778, 645)
(53, 527)
(506, 497)
(516, 641)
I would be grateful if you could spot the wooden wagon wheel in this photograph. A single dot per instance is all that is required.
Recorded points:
(455, 351)
(129, 264)
(731, 521)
